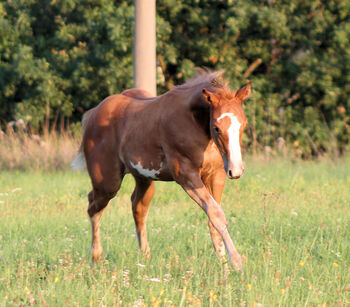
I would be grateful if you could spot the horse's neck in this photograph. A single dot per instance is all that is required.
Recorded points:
(193, 102)
(200, 110)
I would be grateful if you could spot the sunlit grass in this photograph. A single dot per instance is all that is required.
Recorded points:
(290, 221)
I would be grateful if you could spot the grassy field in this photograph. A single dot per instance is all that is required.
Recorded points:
(290, 221)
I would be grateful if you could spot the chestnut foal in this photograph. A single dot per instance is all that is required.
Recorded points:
(191, 135)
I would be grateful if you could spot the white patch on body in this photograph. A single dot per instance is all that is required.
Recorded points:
(149, 173)
(234, 147)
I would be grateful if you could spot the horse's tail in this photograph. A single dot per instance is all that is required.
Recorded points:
(79, 161)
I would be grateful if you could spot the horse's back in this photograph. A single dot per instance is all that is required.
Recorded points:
(106, 112)
(137, 94)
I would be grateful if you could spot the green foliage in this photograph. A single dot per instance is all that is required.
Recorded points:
(59, 58)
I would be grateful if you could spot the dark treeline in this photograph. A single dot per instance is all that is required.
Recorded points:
(59, 58)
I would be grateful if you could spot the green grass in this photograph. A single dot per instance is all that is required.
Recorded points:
(290, 222)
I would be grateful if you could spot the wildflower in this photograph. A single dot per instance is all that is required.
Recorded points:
(31, 299)
(155, 279)
(57, 279)
(27, 290)
(249, 286)
(335, 264)
(301, 263)
(283, 290)
(277, 274)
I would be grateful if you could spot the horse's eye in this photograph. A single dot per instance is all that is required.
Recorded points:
(217, 130)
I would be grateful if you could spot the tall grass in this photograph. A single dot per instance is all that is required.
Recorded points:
(289, 220)
(23, 150)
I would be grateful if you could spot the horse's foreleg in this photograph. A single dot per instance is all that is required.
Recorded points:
(197, 191)
(141, 199)
(215, 185)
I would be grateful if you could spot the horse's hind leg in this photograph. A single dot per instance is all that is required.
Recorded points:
(141, 198)
(215, 185)
(99, 198)
(97, 203)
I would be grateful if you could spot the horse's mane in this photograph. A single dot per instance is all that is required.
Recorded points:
(211, 80)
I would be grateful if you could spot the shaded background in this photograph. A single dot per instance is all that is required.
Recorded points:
(60, 58)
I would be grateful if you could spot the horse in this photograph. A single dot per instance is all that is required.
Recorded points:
(191, 135)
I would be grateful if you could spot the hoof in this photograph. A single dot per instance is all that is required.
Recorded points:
(237, 264)
(146, 254)
(96, 255)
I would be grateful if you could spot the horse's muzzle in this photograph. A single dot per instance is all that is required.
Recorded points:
(235, 174)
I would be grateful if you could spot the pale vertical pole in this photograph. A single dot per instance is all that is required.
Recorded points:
(145, 46)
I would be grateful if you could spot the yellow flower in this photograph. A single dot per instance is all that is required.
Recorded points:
(301, 263)
(249, 286)
(57, 279)
(162, 292)
(283, 290)
(335, 264)
(153, 299)
(27, 290)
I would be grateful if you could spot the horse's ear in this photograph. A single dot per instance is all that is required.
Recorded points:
(245, 92)
(210, 97)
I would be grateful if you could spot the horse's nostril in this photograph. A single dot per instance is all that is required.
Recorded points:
(230, 173)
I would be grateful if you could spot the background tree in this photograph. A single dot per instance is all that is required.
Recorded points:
(59, 58)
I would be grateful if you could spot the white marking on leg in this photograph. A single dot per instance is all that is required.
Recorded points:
(234, 147)
(221, 249)
(149, 173)
(221, 227)
(96, 248)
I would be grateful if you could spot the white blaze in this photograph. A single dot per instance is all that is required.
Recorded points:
(234, 147)
(149, 173)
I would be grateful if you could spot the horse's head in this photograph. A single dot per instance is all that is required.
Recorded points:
(227, 122)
